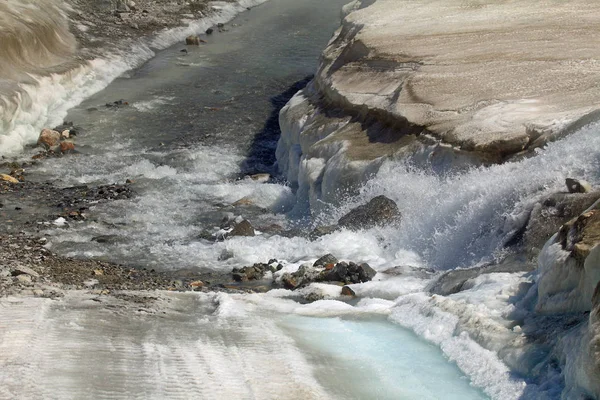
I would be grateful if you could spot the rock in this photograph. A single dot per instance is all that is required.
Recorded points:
(350, 273)
(244, 201)
(192, 40)
(209, 31)
(578, 186)
(23, 270)
(548, 216)
(580, 235)
(8, 178)
(98, 272)
(347, 291)
(379, 211)
(111, 239)
(131, 4)
(326, 259)
(65, 134)
(322, 231)
(252, 273)
(66, 146)
(260, 177)
(289, 281)
(24, 279)
(244, 228)
(48, 138)
(220, 25)
(196, 285)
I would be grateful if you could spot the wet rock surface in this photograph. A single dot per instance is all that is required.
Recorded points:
(379, 211)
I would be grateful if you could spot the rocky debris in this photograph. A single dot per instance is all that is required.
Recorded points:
(344, 272)
(243, 228)
(8, 178)
(54, 142)
(379, 211)
(548, 216)
(578, 186)
(325, 260)
(255, 272)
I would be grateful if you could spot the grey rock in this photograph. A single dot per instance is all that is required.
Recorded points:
(379, 211)
(326, 259)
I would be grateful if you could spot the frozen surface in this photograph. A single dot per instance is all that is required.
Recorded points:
(185, 346)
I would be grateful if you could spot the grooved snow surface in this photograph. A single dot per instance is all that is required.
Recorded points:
(77, 348)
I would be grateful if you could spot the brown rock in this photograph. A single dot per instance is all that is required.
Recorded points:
(48, 138)
(347, 291)
(192, 40)
(289, 282)
(66, 146)
(244, 228)
(197, 285)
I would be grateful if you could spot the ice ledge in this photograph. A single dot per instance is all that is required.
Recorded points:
(495, 78)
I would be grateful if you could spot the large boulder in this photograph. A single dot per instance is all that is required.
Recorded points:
(379, 211)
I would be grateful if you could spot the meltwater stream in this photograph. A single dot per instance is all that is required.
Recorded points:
(196, 123)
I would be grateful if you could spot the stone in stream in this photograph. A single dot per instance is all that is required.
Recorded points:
(209, 31)
(344, 272)
(379, 211)
(8, 178)
(193, 40)
(254, 272)
(347, 291)
(66, 146)
(48, 138)
(578, 185)
(326, 259)
(244, 228)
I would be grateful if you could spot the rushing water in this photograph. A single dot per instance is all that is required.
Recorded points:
(198, 121)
